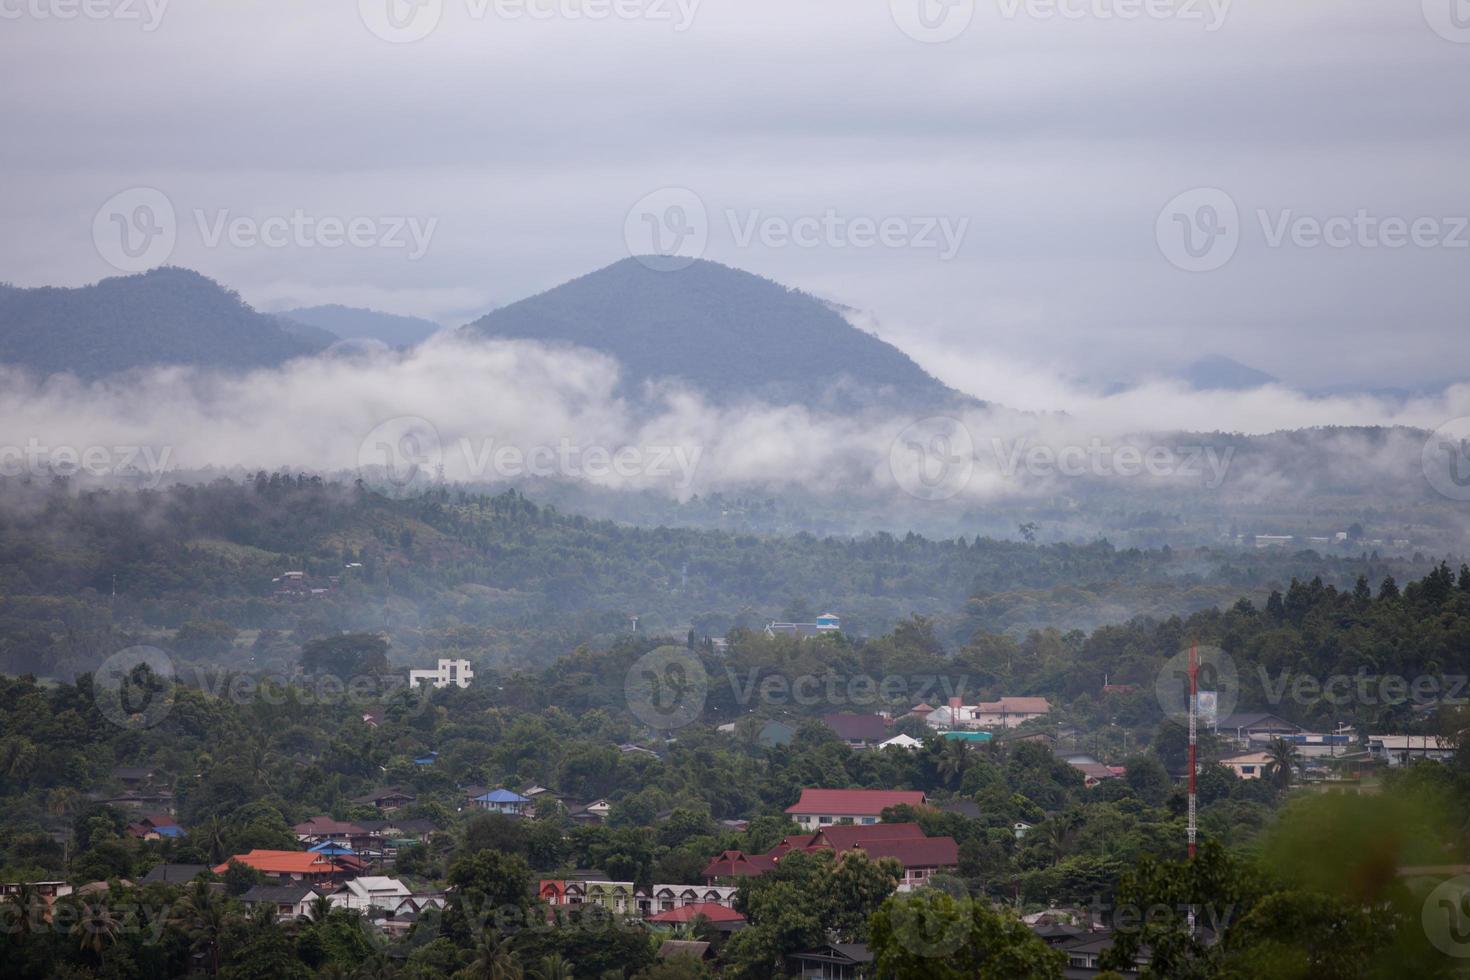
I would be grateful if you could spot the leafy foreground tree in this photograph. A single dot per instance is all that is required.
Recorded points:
(933, 935)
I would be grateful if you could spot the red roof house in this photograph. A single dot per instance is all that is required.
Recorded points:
(820, 807)
(711, 911)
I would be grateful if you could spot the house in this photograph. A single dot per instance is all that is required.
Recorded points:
(48, 890)
(823, 807)
(173, 874)
(1252, 765)
(901, 741)
(667, 898)
(835, 961)
(386, 798)
(370, 892)
(969, 738)
(825, 625)
(919, 856)
(858, 731)
(1398, 750)
(156, 826)
(427, 759)
(1008, 712)
(1095, 772)
(324, 828)
(615, 896)
(671, 948)
(774, 733)
(133, 776)
(1020, 829)
(503, 801)
(449, 673)
(303, 866)
(1245, 725)
(687, 913)
(289, 901)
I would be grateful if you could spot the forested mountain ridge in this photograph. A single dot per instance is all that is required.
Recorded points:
(727, 333)
(166, 316)
(505, 580)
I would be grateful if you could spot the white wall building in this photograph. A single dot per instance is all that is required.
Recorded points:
(449, 673)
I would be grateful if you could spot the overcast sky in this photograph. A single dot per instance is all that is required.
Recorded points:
(1028, 170)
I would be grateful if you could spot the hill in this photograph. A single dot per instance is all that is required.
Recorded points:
(730, 334)
(351, 323)
(166, 316)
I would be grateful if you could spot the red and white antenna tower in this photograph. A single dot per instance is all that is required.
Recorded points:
(1193, 743)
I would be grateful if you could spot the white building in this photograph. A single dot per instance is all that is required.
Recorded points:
(1399, 750)
(987, 715)
(449, 673)
(371, 892)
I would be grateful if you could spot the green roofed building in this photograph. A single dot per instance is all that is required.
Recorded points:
(977, 738)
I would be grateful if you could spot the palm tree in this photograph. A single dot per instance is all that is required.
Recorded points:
(318, 910)
(1057, 834)
(206, 915)
(33, 908)
(97, 926)
(1282, 759)
(552, 967)
(954, 759)
(211, 833)
(493, 960)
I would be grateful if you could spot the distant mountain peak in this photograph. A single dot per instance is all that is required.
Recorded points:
(1219, 373)
(728, 333)
(168, 315)
(353, 323)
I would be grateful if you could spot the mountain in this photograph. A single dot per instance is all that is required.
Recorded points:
(1218, 373)
(166, 316)
(729, 334)
(350, 323)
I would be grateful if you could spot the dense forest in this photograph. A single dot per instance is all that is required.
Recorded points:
(502, 579)
(244, 769)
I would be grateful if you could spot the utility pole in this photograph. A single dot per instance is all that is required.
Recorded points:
(1193, 757)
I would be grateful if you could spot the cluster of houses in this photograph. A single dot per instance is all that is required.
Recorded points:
(300, 585)
(520, 805)
(1255, 731)
(660, 904)
(844, 820)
